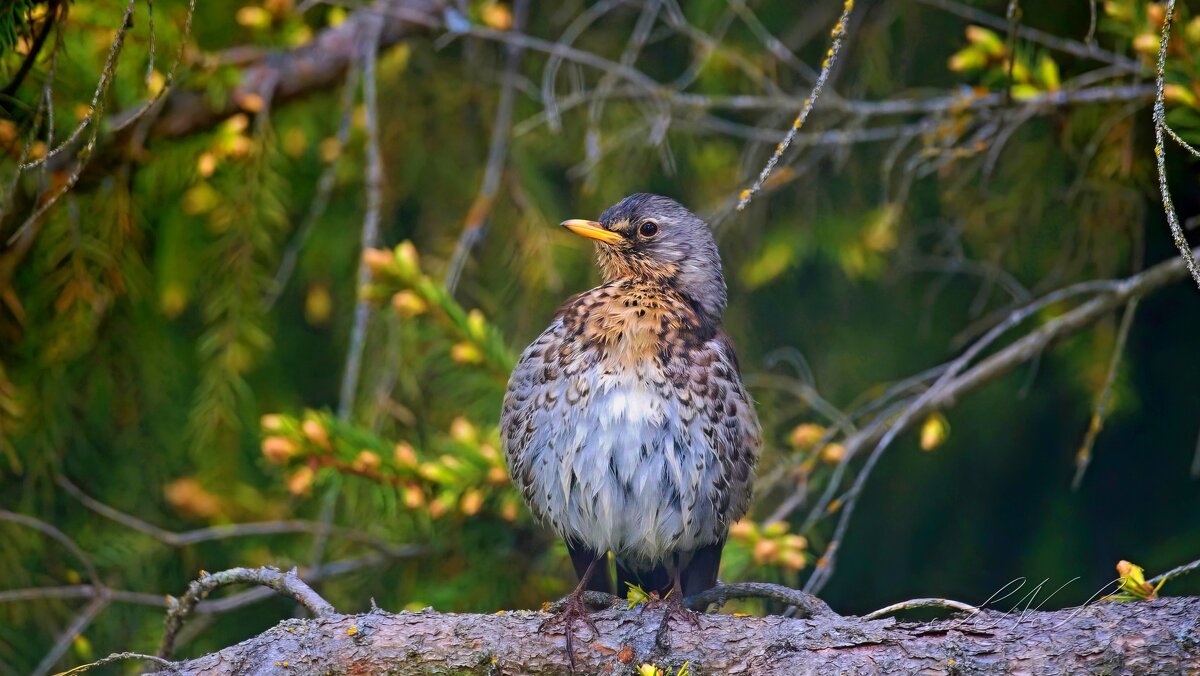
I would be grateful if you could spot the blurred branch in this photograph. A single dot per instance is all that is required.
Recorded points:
(957, 380)
(477, 216)
(1084, 457)
(1086, 50)
(233, 530)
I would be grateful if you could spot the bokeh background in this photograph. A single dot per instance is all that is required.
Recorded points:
(176, 329)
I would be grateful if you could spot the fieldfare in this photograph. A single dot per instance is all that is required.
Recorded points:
(626, 424)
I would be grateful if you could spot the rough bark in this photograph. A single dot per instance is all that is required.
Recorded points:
(1149, 637)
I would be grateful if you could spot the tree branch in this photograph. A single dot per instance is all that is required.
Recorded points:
(1141, 637)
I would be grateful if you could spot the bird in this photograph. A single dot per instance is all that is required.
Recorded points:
(625, 424)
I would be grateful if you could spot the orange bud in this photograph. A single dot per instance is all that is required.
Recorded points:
(806, 435)
(404, 455)
(301, 481)
(765, 551)
(272, 422)
(316, 433)
(366, 461)
(497, 476)
(832, 454)
(378, 261)
(472, 502)
(279, 450)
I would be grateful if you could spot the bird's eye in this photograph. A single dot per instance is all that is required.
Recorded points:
(648, 229)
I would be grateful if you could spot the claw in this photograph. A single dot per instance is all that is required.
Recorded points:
(674, 610)
(573, 609)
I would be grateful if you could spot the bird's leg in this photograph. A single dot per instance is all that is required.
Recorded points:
(674, 609)
(574, 609)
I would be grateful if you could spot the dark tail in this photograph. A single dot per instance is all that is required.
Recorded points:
(698, 574)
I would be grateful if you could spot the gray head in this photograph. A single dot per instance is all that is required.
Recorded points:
(653, 237)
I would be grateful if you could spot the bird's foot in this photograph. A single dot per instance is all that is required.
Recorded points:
(673, 610)
(573, 608)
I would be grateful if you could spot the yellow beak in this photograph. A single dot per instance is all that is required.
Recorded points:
(592, 230)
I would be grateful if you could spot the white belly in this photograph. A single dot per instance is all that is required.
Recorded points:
(630, 467)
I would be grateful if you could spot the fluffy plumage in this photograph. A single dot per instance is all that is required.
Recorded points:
(626, 425)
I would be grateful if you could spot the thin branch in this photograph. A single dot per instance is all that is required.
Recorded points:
(288, 584)
(920, 603)
(89, 568)
(1084, 457)
(950, 386)
(1160, 151)
(809, 605)
(1175, 572)
(477, 216)
(837, 35)
(119, 657)
(81, 622)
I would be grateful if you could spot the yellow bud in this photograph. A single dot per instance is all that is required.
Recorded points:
(329, 149)
(206, 164)
(743, 530)
(775, 529)
(792, 559)
(462, 431)
(472, 502)
(765, 551)
(272, 422)
(489, 452)
(414, 497)
(1146, 43)
(509, 511)
(934, 431)
(437, 508)
(378, 261)
(988, 41)
(253, 17)
(407, 259)
(1156, 14)
(793, 541)
(1179, 94)
(404, 455)
(465, 353)
(301, 481)
(316, 433)
(497, 16)
(833, 454)
(806, 435)
(366, 461)
(408, 304)
(476, 325)
(318, 305)
(279, 450)
(497, 476)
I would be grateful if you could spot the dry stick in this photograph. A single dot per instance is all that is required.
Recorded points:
(568, 37)
(1175, 572)
(477, 216)
(1084, 457)
(369, 238)
(809, 605)
(288, 584)
(836, 36)
(118, 657)
(77, 627)
(1160, 152)
(946, 391)
(920, 603)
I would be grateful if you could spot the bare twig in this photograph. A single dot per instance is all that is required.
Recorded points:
(837, 35)
(809, 605)
(288, 584)
(119, 657)
(1175, 572)
(1160, 151)
(1084, 457)
(920, 603)
(477, 216)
